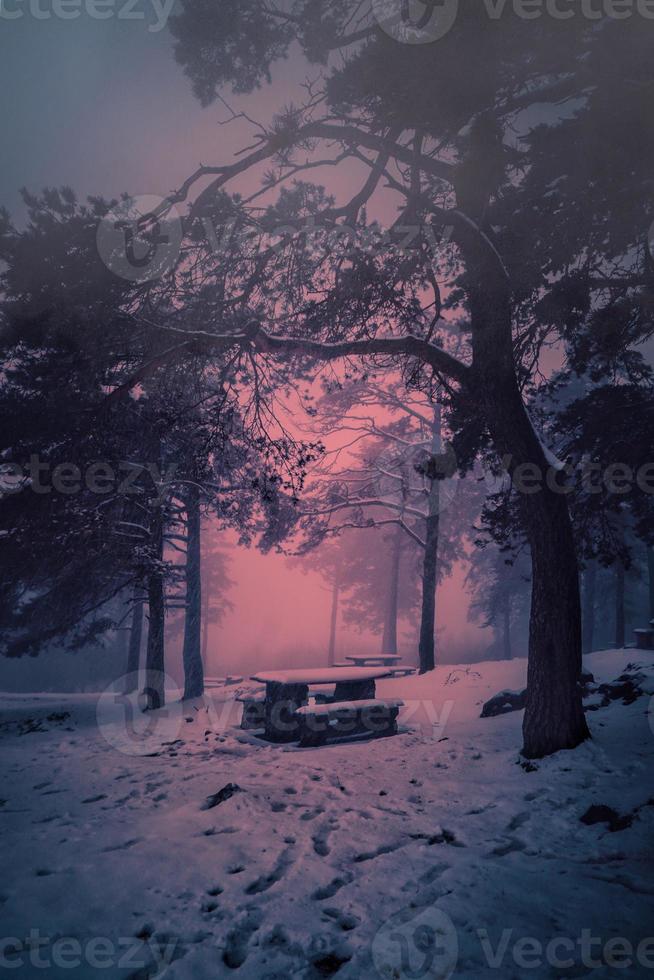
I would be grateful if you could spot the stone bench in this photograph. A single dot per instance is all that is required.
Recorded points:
(254, 710)
(644, 639)
(337, 719)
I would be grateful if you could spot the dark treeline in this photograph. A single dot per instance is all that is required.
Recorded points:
(529, 246)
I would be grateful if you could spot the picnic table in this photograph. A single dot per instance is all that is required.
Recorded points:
(378, 660)
(288, 690)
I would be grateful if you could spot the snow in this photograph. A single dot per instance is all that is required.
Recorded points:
(320, 857)
(326, 675)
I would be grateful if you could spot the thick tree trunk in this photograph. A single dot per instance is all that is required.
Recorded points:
(554, 716)
(333, 624)
(134, 645)
(389, 638)
(588, 624)
(506, 629)
(154, 659)
(427, 642)
(619, 604)
(650, 569)
(192, 651)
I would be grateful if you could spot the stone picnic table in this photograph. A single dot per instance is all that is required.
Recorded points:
(372, 660)
(288, 690)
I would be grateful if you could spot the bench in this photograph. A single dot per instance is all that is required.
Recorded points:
(372, 716)
(210, 682)
(254, 710)
(644, 639)
(402, 671)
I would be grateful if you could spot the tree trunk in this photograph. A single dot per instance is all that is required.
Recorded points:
(650, 569)
(506, 629)
(205, 622)
(427, 642)
(619, 604)
(192, 652)
(333, 624)
(389, 638)
(134, 646)
(554, 716)
(588, 625)
(154, 660)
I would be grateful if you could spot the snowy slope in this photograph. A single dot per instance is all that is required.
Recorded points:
(325, 862)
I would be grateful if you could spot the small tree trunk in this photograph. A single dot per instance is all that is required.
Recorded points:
(506, 629)
(134, 645)
(333, 624)
(588, 623)
(427, 642)
(205, 623)
(155, 658)
(389, 638)
(192, 653)
(619, 604)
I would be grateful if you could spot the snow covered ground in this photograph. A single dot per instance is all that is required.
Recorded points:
(431, 854)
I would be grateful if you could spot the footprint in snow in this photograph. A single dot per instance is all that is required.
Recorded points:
(334, 886)
(236, 945)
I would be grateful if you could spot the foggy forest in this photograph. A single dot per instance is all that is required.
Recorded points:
(327, 489)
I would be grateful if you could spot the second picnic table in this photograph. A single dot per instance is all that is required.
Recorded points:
(372, 660)
(288, 690)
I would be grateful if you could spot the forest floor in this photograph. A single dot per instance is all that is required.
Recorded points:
(434, 853)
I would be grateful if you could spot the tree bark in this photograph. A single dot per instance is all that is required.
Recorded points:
(389, 637)
(427, 642)
(134, 645)
(554, 716)
(155, 655)
(588, 626)
(333, 623)
(192, 650)
(619, 604)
